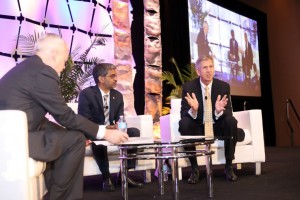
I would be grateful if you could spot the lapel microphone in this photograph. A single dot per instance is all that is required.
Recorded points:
(205, 97)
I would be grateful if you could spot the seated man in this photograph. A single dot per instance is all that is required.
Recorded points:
(104, 105)
(208, 94)
(33, 87)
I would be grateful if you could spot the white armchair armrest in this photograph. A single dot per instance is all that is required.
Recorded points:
(143, 122)
(169, 125)
(252, 120)
(14, 176)
(21, 177)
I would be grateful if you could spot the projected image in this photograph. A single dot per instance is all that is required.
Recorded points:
(233, 42)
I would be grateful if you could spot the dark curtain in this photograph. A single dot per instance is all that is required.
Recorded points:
(174, 36)
(137, 38)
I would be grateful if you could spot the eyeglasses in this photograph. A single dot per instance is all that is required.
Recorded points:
(113, 76)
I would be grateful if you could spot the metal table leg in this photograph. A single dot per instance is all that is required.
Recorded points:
(209, 172)
(174, 163)
(124, 180)
(161, 187)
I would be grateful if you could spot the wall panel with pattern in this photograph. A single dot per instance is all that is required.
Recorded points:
(79, 22)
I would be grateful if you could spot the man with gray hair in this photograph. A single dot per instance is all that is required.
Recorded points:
(33, 87)
(203, 94)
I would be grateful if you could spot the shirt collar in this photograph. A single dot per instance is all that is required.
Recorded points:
(103, 93)
(204, 86)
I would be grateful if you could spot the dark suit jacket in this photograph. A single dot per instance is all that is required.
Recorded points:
(234, 50)
(91, 105)
(218, 88)
(248, 59)
(33, 87)
(202, 43)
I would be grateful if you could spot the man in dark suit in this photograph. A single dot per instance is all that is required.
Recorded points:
(233, 55)
(33, 87)
(193, 109)
(97, 101)
(202, 42)
(247, 60)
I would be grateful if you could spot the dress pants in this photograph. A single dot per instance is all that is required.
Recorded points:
(225, 129)
(100, 154)
(63, 150)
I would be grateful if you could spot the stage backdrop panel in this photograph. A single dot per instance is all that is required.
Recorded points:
(79, 22)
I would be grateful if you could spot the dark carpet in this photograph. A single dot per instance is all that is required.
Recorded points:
(280, 179)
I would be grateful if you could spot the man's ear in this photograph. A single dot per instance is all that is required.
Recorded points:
(100, 79)
(50, 59)
(197, 71)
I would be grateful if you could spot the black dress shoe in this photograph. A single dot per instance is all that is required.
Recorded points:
(132, 183)
(107, 185)
(195, 176)
(230, 175)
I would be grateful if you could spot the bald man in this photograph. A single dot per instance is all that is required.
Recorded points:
(33, 87)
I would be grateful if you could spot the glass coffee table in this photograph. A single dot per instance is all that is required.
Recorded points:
(171, 150)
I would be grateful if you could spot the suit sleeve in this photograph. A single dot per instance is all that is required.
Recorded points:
(251, 56)
(228, 108)
(47, 93)
(84, 105)
(237, 52)
(120, 108)
(185, 107)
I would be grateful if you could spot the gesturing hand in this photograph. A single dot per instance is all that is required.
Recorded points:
(192, 101)
(221, 103)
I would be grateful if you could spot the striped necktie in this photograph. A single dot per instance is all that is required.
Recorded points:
(208, 121)
(106, 110)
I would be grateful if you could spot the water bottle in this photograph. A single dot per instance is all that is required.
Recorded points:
(165, 172)
(122, 125)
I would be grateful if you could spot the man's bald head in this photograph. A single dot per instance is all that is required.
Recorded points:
(53, 50)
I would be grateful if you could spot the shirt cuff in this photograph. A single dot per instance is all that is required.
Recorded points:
(194, 116)
(101, 132)
(218, 115)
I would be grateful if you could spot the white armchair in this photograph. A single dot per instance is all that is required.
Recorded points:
(251, 150)
(145, 124)
(21, 177)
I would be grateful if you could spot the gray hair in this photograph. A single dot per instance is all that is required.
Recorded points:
(48, 41)
(203, 58)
